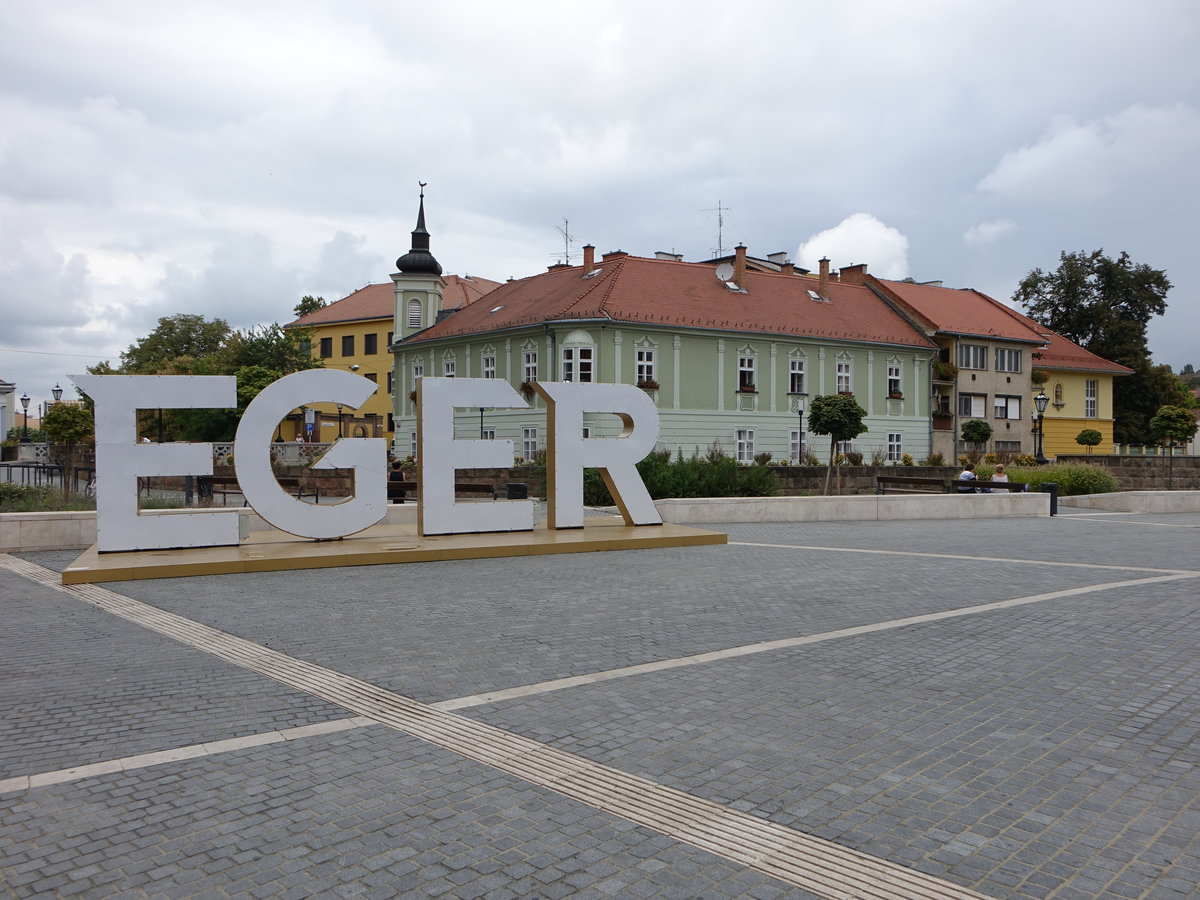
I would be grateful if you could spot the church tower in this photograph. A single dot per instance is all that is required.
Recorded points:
(418, 282)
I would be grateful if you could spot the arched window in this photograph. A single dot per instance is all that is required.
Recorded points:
(414, 313)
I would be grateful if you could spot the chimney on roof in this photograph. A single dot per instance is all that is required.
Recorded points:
(787, 268)
(823, 277)
(739, 265)
(663, 254)
(854, 274)
(615, 254)
(589, 258)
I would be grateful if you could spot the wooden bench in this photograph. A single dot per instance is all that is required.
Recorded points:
(981, 486)
(399, 490)
(926, 485)
(209, 486)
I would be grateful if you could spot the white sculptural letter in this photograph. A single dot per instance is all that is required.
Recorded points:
(120, 459)
(440, 455)
(366, 456)
(616, 458)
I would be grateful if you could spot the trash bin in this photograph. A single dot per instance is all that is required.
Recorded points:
(518, 491)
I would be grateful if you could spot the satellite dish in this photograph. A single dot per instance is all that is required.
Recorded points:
(724, 272)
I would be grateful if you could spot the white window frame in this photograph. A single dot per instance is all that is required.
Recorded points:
(644, 365)
(845, 376)
(1008, 360)
(1006, 406)
(529, 442)
(972, 406)
(743, 441)
(489, 366)
(973, 356)
(895, 446)
(529, 369)
(448, 367)
(747, 374)
(1091, 394)
(796, 376)
(413, 445)
(577, 364)
(895, 378)
(487, 434)
(797, 444)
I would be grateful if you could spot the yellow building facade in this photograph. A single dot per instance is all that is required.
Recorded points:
(1079, 386)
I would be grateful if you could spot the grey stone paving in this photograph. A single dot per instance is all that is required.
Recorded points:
(1009, 751)
(444, 630)
(1041, 751)
(368, 813)
(78, 686)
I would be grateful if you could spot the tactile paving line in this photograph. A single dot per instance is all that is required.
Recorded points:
(816, 865)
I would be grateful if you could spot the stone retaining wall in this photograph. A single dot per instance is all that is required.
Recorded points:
(1147, 473)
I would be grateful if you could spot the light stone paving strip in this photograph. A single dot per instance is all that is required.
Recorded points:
(816, 865)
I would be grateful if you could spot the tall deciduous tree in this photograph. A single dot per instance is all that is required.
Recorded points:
(68, 425)
(1173, 425)
(840, 417)
(1104, 305)
(308, 303)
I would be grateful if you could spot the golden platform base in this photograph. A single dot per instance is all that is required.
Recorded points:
(273, 551)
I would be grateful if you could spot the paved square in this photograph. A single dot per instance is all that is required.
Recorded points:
(1006, 708)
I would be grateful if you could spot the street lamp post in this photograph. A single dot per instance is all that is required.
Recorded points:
(340, 432)
(1039, 423)
(25, 410)
(57, 392)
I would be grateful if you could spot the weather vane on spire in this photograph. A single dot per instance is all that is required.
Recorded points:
(422, 184)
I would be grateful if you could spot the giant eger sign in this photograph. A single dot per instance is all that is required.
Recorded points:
(121, 460)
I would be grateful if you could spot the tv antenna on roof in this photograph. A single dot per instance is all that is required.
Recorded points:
(568, 239)
(720, 211)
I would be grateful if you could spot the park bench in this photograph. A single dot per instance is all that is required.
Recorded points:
(399, 490)
(904, 484)
(980, 485)
(209, 486)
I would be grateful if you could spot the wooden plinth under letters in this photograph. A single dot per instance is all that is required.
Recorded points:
(274, 551)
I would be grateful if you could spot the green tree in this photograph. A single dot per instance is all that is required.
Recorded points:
(175, 344)
(840, 417)
(68, 425)
(976, 431)
(1173, 425)
(1089, 438)
(308, 304)
(1104, 305)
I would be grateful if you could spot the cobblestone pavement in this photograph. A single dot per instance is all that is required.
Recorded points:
(1011, 706)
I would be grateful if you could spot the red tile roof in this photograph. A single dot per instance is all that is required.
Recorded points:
(971, 312)
(1061, 353)
(378, 301)
(638, 290)
(961, 311)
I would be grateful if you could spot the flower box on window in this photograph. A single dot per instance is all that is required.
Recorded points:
(846, 393)
(648, 385)
(895, 395)
(747, 389)
(527, 388)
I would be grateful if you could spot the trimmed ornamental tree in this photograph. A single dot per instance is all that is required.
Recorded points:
(68, 425)
(1173, 425)
(976, 432)
(1089, 438)
(840, 417)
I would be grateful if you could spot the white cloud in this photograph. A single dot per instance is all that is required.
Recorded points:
(984, 233)
(1075, 162)
(859, 238)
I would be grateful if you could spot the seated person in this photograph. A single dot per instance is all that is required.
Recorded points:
(999, 474)
(968, 474)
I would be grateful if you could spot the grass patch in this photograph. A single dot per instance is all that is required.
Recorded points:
(39, 498)
(1072, 479)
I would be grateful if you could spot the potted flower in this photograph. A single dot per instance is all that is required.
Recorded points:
(895, 395)
(1039, 376)
(944, 370)
(747, 389)
(648, 384)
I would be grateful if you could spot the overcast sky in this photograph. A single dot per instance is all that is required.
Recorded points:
(227, 158)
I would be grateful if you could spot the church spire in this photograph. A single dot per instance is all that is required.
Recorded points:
(418, 260)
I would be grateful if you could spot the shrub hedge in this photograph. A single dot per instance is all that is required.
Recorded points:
(712, 475)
